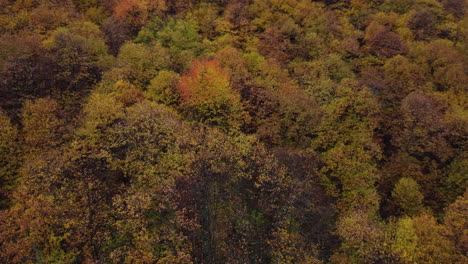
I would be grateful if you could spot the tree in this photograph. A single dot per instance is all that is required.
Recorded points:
(235, 195)
(456, 224)
(182, 39)
(26, 69)
(442, 63)
(281, 111)
(233, 131)
(309, 228)
(101, 111)
(273, 44)
(456, 7)
(9, 158)
(28, 226)
(41, 125)
(422, 239)
(233, 61)
(422, 149)
(177, 7)
(387, 44)
(423, 23)
(457, 182)
(207, 96)
(364, 241)
(81, 55)
(140, 63)
(127, 94)
(407, 196)
(400, 77)
(288, 246)
(147, 225)
(345, 137)
(163, 88)
(116, 33)
(136, 13)
(180, 35)
(206, 17)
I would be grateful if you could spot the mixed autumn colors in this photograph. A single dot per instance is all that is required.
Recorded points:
(234, 131)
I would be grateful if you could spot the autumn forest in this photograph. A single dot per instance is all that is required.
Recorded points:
(234, 131)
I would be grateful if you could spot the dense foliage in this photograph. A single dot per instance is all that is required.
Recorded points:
(233, 131)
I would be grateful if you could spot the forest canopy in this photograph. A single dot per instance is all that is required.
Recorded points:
(234, 131)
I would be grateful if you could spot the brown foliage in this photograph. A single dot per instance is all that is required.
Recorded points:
(116, 32)
(274, 44)
(456, 7)
(387, 44)
(423, 23)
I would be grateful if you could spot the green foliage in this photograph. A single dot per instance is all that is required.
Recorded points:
(139, 63)
(398, 6)
(407, 196)
(149, 32)
(350, 156)
(206, 18)
(81, 54)
(180, 35)
(162, 88)
(458, 175)
(421, 239)
(264, 131)
(101, 111)
(182, 39)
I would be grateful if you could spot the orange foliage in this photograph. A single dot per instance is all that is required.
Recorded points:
(124, 6)
(207, 95)
(206, 80)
